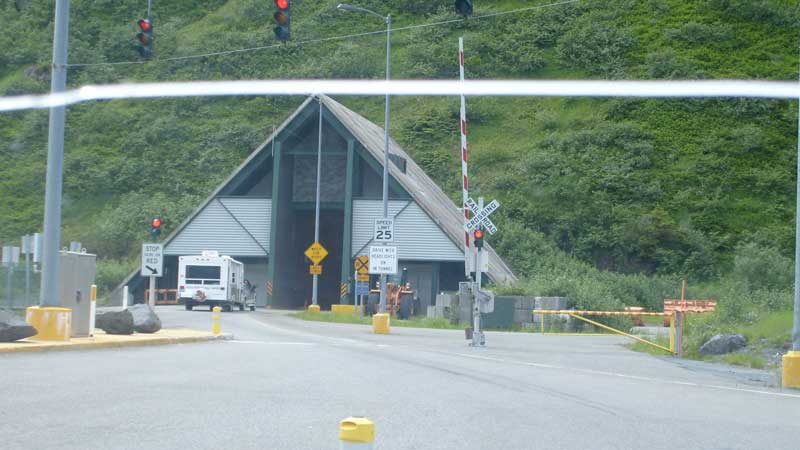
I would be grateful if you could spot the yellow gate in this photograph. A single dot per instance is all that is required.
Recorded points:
(579, 315)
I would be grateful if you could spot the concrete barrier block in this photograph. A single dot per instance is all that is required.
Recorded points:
(523, 316)
(431, 312)
(550, 303)
(444, 300)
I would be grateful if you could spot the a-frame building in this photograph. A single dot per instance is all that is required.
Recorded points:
(263, 214)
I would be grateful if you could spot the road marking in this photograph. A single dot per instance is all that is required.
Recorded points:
(271, 343)
(623, 375)
(553, 367)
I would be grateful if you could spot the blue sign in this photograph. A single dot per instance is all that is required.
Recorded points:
(362, 287)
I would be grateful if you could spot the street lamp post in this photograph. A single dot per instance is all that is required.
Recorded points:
(55, 162)
(388, 20)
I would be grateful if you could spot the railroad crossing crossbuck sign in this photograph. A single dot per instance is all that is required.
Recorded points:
(316, 253)
(481, 216)
(361, 264)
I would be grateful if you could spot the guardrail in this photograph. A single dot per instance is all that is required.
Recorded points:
(675, 333)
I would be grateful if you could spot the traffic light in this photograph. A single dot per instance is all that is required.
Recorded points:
(464, 7)
(155, 227)
(477, 236)
(283, 19)
(145, 37)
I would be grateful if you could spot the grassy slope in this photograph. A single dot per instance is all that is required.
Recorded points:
(526, 152)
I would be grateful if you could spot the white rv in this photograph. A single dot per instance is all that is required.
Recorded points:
(212, 280)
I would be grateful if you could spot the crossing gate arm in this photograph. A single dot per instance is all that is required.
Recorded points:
(579, 315)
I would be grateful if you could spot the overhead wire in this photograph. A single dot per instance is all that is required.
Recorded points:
(543, 88)
(325, 39)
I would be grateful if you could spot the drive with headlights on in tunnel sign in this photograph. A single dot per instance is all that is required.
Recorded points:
(382, 260)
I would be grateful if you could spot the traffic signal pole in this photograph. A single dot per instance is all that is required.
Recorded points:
(386, 147)
(315, 282)
(790, 371)
(796, 325)
(477, 332)
(55, 162)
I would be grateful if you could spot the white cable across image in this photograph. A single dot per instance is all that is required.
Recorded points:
(535, 88)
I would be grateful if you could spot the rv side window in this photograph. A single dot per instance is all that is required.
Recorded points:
(202, 273)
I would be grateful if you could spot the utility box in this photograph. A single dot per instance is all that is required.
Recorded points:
(76, 273)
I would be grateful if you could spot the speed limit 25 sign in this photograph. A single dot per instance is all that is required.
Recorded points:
(384, 230)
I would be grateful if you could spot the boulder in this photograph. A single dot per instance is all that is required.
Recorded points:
(145, 319)
(13, 328)
(115, 322)
(723, 343)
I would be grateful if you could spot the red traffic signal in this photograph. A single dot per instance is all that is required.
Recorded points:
(145, 25)
(155, 227)
(145, 37)
(283, 19)
(477, 236)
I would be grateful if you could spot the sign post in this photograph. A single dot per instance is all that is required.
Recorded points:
(27, 249)
(480, 300)
(10, 259)
(383, 233)
(313, 271)
(316, 253)
(361, 275)
(153, 267)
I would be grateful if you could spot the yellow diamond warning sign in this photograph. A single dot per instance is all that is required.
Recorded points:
(316, 253)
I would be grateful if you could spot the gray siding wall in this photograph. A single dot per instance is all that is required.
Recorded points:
(417, 236)
(234, 226)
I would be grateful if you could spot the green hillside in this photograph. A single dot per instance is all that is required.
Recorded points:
(675, 188)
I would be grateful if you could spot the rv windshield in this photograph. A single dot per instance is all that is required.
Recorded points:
(202, 273)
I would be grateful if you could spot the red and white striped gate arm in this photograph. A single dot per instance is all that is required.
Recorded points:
(464, 145)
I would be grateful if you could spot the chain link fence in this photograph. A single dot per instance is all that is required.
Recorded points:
(19, 286)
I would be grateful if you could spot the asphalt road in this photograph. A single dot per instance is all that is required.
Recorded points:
(285, 384)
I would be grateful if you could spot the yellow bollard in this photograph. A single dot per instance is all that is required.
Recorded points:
(791, 370)
(356, 433)
(313, 308)
(92, 309)
(380, 323)
(51, 323)
(215, 316)
(672, 333)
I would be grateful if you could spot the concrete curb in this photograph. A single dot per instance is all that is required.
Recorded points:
(110, 341)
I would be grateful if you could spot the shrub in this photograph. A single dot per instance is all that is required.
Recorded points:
(666, 64)
(701, 33)
(761, 267)
(596, 45)
(111, 272)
